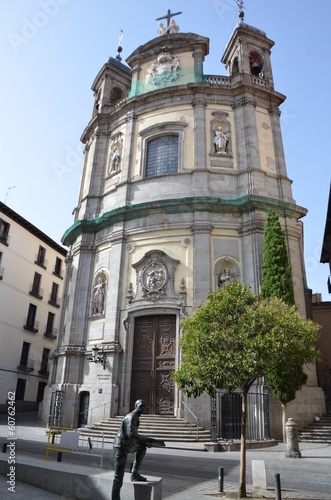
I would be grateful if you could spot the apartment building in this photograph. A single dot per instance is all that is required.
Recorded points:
(31, 281)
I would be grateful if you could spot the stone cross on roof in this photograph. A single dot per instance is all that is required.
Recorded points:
(169, 16)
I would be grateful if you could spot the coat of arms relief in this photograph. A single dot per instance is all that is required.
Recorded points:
(164, 70)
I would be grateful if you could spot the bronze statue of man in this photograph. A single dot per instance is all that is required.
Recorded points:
(127, 440)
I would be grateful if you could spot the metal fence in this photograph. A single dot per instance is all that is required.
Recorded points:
(229, 412)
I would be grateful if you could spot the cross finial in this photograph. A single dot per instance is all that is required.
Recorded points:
(169, 16)
(119, 46)
(241, 14)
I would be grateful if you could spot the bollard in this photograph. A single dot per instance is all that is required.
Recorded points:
(221, 478)
(278, 490)
(59, 456)
(292, 439)
(4, 447)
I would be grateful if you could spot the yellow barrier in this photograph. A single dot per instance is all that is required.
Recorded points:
(75, 441)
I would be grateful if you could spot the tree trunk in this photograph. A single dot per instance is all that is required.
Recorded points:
(242, 477)
(284, 422)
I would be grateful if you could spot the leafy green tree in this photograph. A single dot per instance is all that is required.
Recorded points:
(233, 339)
(276, 270)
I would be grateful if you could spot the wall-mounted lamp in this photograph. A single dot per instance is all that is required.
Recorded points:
(98, 358)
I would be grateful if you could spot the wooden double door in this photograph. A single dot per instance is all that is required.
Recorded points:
(154, 352)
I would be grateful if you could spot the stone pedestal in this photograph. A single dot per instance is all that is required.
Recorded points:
(292, 440)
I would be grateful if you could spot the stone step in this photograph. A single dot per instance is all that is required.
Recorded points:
(167, 428)
(318, 431)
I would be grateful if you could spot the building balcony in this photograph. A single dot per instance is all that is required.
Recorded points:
(44, 371)
(228, 81)
(50, 333)
(4, 239)
(36, 291)
(31, 327)
(25, 365)
(59, 273)
(54, 300)
(41, 262)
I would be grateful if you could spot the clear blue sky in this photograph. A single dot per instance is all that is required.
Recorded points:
(51, 51)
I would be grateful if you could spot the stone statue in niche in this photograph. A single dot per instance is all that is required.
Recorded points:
(115, 155)
(98, 298)
(225, 278)
(115, 160)
(221, 140)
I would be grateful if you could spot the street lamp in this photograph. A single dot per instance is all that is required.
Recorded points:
(98, 358)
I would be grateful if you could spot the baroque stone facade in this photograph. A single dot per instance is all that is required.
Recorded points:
(180, 170)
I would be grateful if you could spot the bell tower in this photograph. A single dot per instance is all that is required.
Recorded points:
(248, 53)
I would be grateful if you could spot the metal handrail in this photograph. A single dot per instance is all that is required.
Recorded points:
(194, 416)
(91, 410)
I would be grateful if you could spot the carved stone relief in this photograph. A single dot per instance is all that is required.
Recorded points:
(164, 70)
(155, 274)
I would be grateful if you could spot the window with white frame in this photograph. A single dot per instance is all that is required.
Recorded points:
(162, 149)
(162, 156)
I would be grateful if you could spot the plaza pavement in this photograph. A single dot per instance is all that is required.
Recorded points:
(316, 457)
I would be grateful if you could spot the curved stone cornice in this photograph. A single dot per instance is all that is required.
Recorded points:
(213, 205)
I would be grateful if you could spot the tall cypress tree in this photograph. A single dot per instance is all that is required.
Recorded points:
(276, 270)
(284, 379)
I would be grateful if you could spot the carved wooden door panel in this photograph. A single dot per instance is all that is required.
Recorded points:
(153, 363)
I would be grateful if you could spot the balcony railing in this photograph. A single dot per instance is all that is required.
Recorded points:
(41, 261)
(218, 80)
(36, 291)
(239, 77)
(54, 300)
(58, 272)
(50, 333)
(25, 365)
(31, 327)
(44, 370)
(4, 239)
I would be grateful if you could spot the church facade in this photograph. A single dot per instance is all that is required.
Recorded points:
(180, 170)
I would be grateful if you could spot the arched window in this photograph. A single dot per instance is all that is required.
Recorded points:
(116, 95)
(255, 64)
(162, 156)
(235, 67)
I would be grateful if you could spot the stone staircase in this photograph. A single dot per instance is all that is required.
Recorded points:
(166, 428)
(318, 431)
